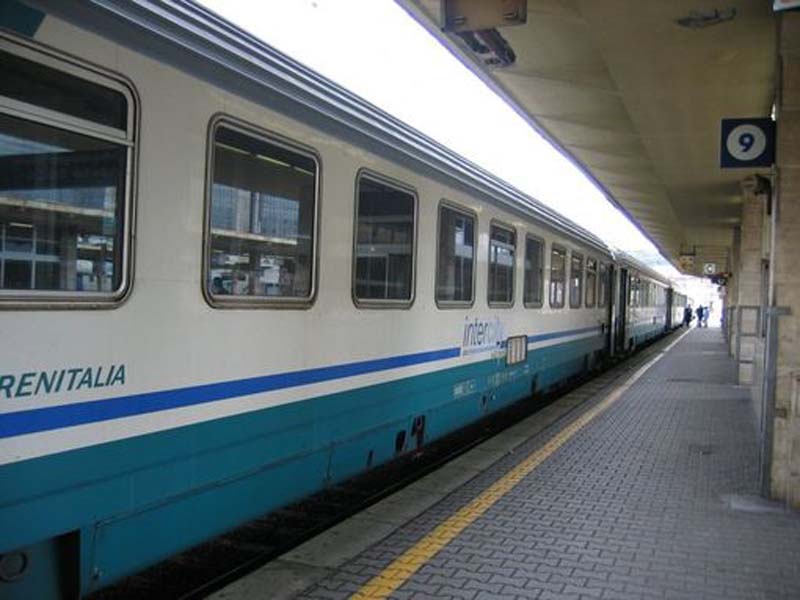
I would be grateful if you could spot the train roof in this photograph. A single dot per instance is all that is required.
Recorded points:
(198, 41)
(630, 261)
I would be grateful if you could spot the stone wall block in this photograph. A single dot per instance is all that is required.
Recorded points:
(788, 139)
(790, 85)
(789, 33)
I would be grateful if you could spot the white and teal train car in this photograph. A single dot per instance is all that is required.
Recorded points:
(226, 283)
(645, 304)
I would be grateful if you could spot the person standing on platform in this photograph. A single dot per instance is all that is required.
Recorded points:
(700, 312)
(687, 316)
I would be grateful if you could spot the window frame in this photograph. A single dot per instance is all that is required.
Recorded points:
(596, 272)
(129, 138)
(387, 303)
(581, 288)
(603, 274)
(542, 255)
(554, 247)
(501, 225)
(448, 304)
(634, 290)
(256, 302)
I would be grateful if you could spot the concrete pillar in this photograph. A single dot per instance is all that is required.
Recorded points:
(785, 271)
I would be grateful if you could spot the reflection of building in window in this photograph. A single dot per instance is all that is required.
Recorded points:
(384, 242)
(456, 256)
(60, 209)
(262, 218)
(502, 246)
(575, 280)
(534, 259)
(605, 283)
(591, 282)
(558, 273)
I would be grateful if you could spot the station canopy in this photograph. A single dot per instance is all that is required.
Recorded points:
(634, 92)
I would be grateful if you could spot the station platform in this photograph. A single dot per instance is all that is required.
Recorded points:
(641, 484)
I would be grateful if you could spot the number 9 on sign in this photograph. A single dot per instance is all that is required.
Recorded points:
(746, 142)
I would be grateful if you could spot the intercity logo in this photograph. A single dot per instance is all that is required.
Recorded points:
(482, 335)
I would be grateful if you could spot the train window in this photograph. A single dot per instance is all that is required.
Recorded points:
(502, 249)
(455, 272)
(384, 244)
(66, 155)
(591, 282)
(575, 280)
(260, 218)
(534, 266)
(35, 84)
(602, 291)
(558, 276)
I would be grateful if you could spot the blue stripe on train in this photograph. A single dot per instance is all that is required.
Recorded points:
(93, 411)
(138, 500)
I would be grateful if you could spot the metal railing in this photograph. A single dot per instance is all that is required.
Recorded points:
(751, 333)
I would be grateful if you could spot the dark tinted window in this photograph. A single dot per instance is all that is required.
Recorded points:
(575, 280)
(263, 198)
(37, 84)
(456, 259)
(534, 265)
(502, 248)
(591, 282)
(384, 242)
(62, 203)
(558, 276)
(605, 280)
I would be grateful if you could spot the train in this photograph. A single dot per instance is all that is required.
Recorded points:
(227, 283)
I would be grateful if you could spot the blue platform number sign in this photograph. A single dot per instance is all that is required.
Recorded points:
(747, 143)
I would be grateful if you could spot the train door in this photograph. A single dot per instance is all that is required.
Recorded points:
(670, 311)
(610, 287)
(622, 311)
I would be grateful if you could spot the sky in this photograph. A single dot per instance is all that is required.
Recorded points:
(376, 50)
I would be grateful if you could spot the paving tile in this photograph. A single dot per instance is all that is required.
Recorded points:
(652, 499)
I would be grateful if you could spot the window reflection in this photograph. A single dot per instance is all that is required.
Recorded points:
(502, 248)
(456, 256)
(591, 282)
(384, 242)
(534, 255)
(262, 218)
(558, 273)
(602, 298)
(576, 280)
(61, 203)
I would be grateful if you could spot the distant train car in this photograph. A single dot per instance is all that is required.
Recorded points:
(226, 283)
(677, 302)
(644, 304)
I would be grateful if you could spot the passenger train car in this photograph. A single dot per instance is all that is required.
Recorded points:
(226, 283)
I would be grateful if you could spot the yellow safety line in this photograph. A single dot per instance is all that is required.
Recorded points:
(403, 567)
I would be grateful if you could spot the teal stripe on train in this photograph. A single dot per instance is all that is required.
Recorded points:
(643, 332)
(139, 500)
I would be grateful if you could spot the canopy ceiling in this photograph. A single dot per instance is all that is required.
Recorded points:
(636, 99)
